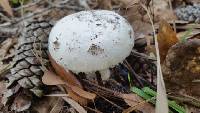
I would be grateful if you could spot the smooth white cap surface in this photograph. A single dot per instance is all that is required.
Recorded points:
(89, 41)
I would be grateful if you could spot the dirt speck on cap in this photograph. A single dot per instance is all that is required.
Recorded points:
(95, 50)
(56, 44)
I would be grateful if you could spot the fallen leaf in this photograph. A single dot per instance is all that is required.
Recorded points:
(166, 38)
(6, 6)
(21, 102)
(133, 100)
(129, 3)
(161, 10)
(105, 4)
(141, 29)
(82, 93)
(50, 78)
(71, 80)
(66, 75)
(75, 105)
(48, 104)
(75, 92)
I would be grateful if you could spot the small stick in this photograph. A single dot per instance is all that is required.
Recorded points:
(133, 73)
(170, 5)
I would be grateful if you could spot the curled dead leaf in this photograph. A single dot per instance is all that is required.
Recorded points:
(166, 38)
(48, 105)
(82, 93)
(66, 75)
(21, 102)
(50, 78)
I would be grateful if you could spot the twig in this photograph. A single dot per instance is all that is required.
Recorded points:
(161, 101)
(132, 108)
(5, 69)
(110, 101)
(135, 53)
(34, 14)
(94, 110)
(84, 4)
(101, 90)
(64, 4)
(128, 66)
(12, 31)
(58, 4)
(27, 5)
(188, 100)
(22, 15)
(18, 20)
(5, 17)
(170, 5)
(139, 77)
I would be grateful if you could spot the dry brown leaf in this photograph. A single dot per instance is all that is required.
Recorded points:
(75, 105)
(71, 80)
(6, 6)
(67, 76)
(47, 104)
(141, 29)
(83, 93)
(21, 102)
(105, 4)
(133, 14)
(50, 78)
(133, 100)
(161, 10)
(166, 38)
(129, 3)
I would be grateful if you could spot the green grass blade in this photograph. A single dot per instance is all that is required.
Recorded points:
(172, 104)
(142, 94)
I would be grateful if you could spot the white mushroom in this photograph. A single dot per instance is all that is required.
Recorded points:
(90, 41)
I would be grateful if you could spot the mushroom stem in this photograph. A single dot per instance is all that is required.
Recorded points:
(105, 74)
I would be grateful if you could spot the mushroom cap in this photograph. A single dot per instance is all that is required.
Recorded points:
(89, 41)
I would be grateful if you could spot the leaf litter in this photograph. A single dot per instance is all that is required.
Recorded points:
(168, 40)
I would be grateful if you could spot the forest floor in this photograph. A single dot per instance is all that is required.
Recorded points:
(132, 86)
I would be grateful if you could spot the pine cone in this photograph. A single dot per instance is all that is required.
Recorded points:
(189, 13)
(27, 69)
